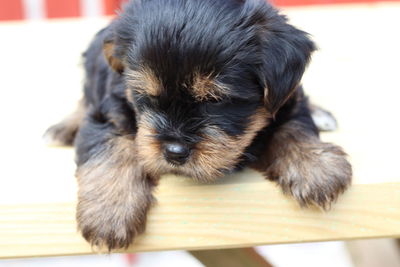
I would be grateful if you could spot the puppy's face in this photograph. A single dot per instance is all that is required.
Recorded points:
(197, 127)
(201, 93)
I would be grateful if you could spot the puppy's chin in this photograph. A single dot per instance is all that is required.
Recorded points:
(215, 155)
(191, 170)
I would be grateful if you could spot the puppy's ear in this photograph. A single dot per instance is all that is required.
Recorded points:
(286, 52)
(111, 56)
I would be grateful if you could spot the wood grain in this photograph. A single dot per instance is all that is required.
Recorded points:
(211, 216)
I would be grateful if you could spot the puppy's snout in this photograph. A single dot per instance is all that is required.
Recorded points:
(176, 153)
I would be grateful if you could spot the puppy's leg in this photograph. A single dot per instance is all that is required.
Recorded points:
(314, 172)
(114, 190)
(64, 132)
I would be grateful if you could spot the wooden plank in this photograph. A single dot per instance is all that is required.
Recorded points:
(196, 217)
(234, 257)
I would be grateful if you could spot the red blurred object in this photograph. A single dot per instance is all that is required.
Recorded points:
(131, 259)
(11, 10)
(111, 6)
(62, 8)
(17, 10)
(285, 3)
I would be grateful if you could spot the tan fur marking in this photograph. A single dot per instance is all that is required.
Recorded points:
(216, 153)
(144, 81)
(115, 63)
(129, 95)
(315, 173)
(208, 88)
(219, 152)
(114, 196)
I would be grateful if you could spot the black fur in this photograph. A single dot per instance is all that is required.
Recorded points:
(247, 43)
(260, 118)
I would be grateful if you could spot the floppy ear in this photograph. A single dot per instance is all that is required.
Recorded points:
(286, 52)
(111, 56)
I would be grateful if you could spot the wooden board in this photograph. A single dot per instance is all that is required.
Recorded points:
(354, 76)
(210, 216)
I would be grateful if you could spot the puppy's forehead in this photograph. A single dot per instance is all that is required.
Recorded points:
(200, 86)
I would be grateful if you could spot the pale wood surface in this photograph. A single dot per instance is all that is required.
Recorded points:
(355, 75)
(211, 216)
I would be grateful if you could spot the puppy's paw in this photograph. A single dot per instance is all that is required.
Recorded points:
(114, 196)
(315, 174)
(60, 134)
(109, 227)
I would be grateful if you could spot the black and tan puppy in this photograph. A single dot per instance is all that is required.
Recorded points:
(199, 88)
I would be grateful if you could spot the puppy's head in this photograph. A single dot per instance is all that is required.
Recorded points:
(204, 77)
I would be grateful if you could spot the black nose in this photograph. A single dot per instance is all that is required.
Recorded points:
(176, 153)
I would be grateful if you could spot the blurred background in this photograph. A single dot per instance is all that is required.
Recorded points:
(354, 253)
(44, 9)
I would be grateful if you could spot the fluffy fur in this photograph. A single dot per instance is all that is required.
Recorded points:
(198, 88)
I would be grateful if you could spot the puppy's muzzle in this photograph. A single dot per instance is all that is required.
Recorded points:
(176, 153)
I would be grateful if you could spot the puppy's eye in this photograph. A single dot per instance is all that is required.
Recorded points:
(216, 100)
(153, 99)
(223, 101)
(139, 93)
(143, 99)
(230, 103)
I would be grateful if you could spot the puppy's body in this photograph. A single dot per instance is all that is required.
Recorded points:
(199, 88)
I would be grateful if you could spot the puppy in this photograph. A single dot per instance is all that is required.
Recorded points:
(199, 88)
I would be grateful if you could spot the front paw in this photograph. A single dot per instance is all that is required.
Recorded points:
(108, 226)
(114, 195)
(314, 174)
